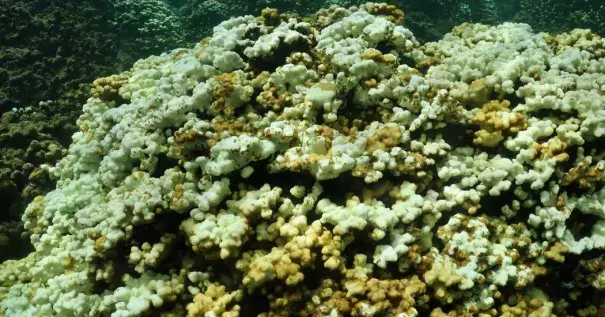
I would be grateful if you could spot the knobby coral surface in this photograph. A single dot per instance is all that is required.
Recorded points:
(330, 166)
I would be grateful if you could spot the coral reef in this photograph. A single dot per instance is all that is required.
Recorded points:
(53, 50)
(50, 53)
(562, 16)
(430, 20)
(29, 138)
(200, 16)
(142, 28)
(49, 50)
(330, 165)
(13, 242)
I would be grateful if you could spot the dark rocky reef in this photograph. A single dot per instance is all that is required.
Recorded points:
(51, 49)
(29, 139)
(561, 16)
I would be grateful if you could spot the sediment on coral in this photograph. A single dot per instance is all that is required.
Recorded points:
(330, 165)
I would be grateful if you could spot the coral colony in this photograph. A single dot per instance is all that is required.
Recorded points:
(330, 165)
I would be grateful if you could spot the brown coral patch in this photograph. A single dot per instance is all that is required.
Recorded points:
(426, 63)
(271, 99)
(584, 175)
(107, 88)
(388, 11)
(270, 16)
(555, 252)
(384, 138)
(377, 56)
(495, 119)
